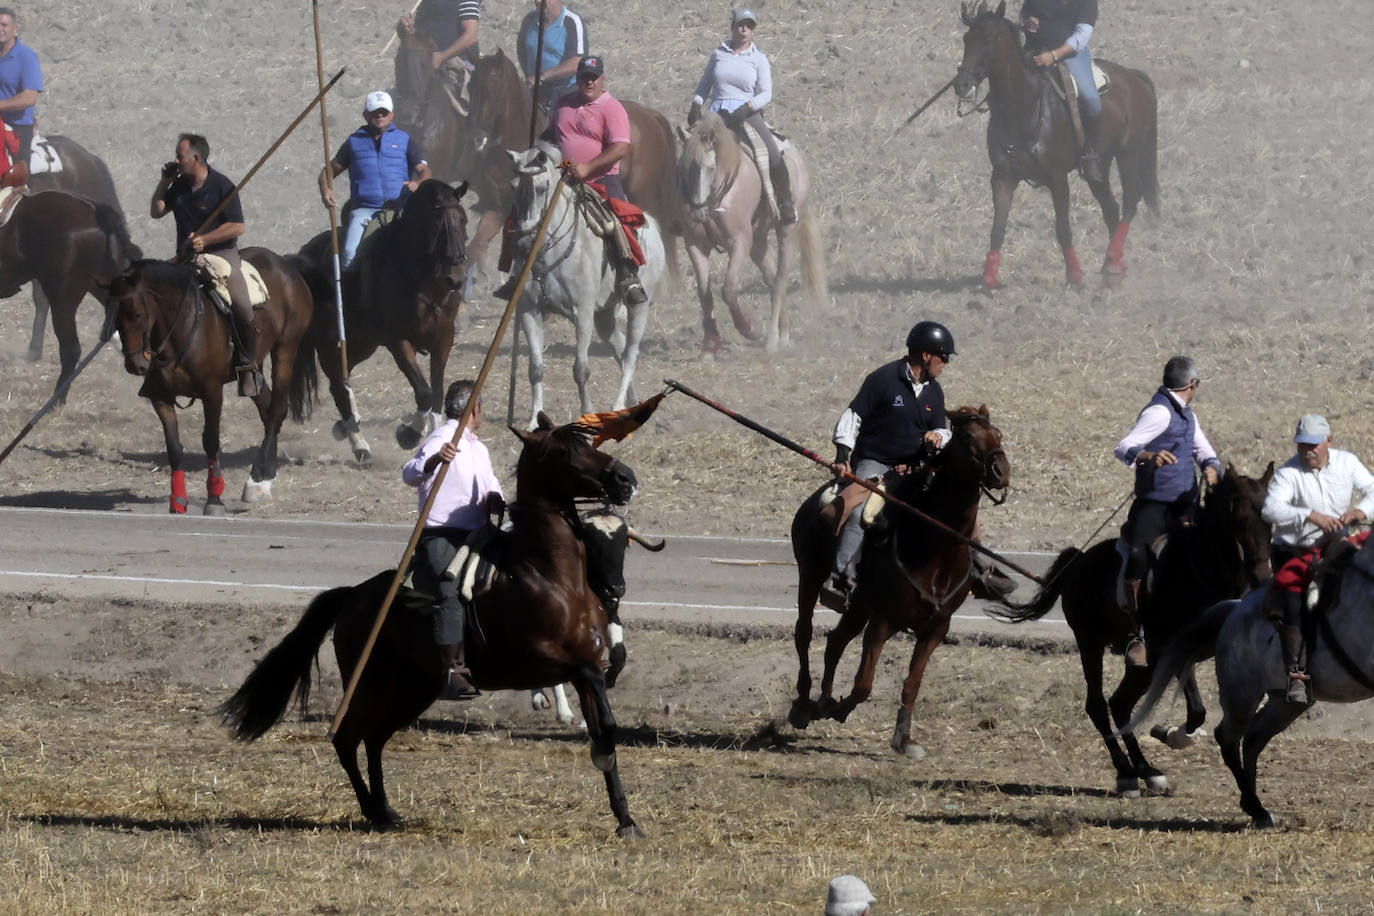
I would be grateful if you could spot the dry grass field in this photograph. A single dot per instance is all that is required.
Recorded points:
(120, 794)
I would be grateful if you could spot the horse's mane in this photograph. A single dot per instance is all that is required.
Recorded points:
(165, 273)
(973, 13)
(711, 134)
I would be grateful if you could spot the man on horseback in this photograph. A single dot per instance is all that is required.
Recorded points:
(191, 190)
(452, 26)
(1059, 30)
(21, 80)
(1165, 485)
(382, 162)
(739, 81)
(469, 494)
(565, 44)
(1308, 504)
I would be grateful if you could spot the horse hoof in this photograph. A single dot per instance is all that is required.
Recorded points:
(1127, 787)
(340, 431)
(1157, 784)
(214, 507)
(255, 491)
(604, 762)
(909, 750)
(177, 505)
(407, 437)
(363, 455)
(801, 714)
(1264, 821)
(33, 356)
(629, 831)
(564, 720)
(770, 344)
(710, 346)
(539, 700)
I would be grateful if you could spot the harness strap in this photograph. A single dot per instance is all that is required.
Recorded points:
(1071, 96)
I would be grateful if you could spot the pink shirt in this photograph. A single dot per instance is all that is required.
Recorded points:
(583, 130)
(462, 500)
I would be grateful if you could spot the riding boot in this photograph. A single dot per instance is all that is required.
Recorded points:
(782, 187)
(245, 355)
(989, 583)
(1136, 655)
(1290, 638)
(459, 685)
(1089, 164)
(627, 283)
(507, 289)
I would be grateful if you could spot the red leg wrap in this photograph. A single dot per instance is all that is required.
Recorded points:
(214, 480)
(1116, 251)
(178, 499)
(994, 260)
(1073, 271)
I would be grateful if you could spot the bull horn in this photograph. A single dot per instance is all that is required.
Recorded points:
(646, 543)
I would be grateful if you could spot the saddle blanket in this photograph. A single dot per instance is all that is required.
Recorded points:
(9, 199)
(1099, 79)
(43, 159)
(216, 269)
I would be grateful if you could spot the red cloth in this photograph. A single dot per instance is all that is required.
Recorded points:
(9, 149)
(630, 216)
(1294, 576)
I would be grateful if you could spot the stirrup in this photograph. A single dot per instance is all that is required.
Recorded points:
(835, 593)
(459, 686)
(1090, 166)
(1136, 656)
(251, 381)
(631, 290)
(1297, 686)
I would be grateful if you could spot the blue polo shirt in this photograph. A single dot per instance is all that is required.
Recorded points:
(19, 70)
(564, 39)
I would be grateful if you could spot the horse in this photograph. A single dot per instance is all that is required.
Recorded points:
(67, 246)
(84, 175)
(1249, 668)
(574, 277)
(540, 623)
(725, 208)
(911, 575)
(1224, 553)
(402, 292)
(178, 341)
(1031, 139)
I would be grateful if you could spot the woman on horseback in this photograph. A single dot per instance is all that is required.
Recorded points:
(739, 82)
(1059, 30)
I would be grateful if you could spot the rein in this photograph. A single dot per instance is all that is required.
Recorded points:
(154, 352)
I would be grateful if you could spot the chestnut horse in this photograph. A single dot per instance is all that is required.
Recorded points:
(912, 575)
(84, 175)
(179, 342)
(540, 623)
(65, 245)
(1042, 150)
(402, 292)
(1223, 554)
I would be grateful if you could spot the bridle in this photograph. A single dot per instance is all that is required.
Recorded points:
(159, 353)
(989, 473)
(714, 198)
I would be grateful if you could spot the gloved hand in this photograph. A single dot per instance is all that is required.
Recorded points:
(694, 114)
(737, 117)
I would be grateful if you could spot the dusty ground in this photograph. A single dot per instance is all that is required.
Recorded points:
(1258, 266)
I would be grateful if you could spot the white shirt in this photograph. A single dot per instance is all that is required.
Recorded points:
(1152, 421)
(1296, 491)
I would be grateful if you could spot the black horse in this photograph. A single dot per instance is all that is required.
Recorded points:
(1223, 554)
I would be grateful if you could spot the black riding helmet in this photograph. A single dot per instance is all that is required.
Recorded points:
(930, 337)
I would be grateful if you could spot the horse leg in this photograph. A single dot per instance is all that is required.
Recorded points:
(601, 729)
(409, 433)
(911, 688)
(488, 227)
(1090, 656)
(1132, 687)
(636, 316)
(532, 323)
(1063, 232)
(65, 296)
(877, 634)
(349, 424)
(1274, 717)
(346, 743)
(778, 331)
(40, 324)
(1113, 265)
(850, 624)
(730, 286)
(804, 711)
(166, 412)
(1002, 190)
(212, 406)
(1178, 737)
(584, 320)
(272, 408)
(699, 253)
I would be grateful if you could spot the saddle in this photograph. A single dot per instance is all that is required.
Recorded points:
(758, 152)
(1068, 91)
(43, 158)
(604, 213)
(9, 199)
(214, 270)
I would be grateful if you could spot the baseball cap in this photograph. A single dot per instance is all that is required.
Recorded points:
(849, 896)
(744, 15)
(376, 100)
(591, 65)
(1312, 429)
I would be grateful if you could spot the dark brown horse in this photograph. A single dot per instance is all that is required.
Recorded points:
(85, 175)
(1223, 554)
(178, 341)
(911, 576)
(539, 624)
(402, 292)
(1031, 138)
(66, 246)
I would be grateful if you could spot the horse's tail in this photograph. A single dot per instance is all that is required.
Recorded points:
(119, 246)
(262, 700)
(812, 257)
(1044, 599)
(1194, 643)
(1150, 157)
(305, 378)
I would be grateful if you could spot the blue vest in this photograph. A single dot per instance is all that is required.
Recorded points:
(1170, 482)
(376, 174)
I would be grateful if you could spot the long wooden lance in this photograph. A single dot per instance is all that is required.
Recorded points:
(920, 111)
(851, 478)
(333, 212)
(463, 421)
(109, 324)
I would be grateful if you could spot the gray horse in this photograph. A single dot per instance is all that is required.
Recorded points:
(1340, 651)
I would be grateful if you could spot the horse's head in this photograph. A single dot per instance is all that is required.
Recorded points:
(558, 465)
(438, 227)
(495, 92)
(536, 173)
(987, 29)
(145, 300)
(976, 449)
(1235, 504)
(706, 167)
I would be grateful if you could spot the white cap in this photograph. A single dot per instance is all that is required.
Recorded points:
(743, 15)
(849, 896)
(376, 100)
(1312, 430)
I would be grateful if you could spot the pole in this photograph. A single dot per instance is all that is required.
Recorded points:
(443, 468)
(918, 112)
(867, 485)
(57, 395)
(333, 213)
(538, 71)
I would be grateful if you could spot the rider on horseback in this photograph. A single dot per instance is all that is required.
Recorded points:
(1309, 504)
(469, 494)
(21, 79)
(191, 190)
(452, 26)
(1059, 30)
(739, 80)
(1165, 486)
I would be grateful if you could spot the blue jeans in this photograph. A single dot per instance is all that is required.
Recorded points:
(355, 221)
(1081, 66)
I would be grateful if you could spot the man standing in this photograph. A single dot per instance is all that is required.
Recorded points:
(191, 190)
(21, 79)
(382, 161)
(565, 44)
(1162, 447)
(452, 26)
(1308, 504)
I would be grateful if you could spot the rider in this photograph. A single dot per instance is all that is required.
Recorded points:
(382, 162)
(452, 26)
(191, 190)
(21, 79)
(1059, 30)
(1309, 504)
(469, 494)
(1162, 447)
(739, 80)
(565, 44)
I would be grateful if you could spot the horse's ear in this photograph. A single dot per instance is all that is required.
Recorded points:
(1001, 9)
(1268, 475)
(983, 411)
(682, 133)
(459, 188)
(543, 420)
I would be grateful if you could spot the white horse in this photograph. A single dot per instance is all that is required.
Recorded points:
(1249, 661)
(727, 210)
(574, 277)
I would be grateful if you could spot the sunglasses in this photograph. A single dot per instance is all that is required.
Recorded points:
(378, 113)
